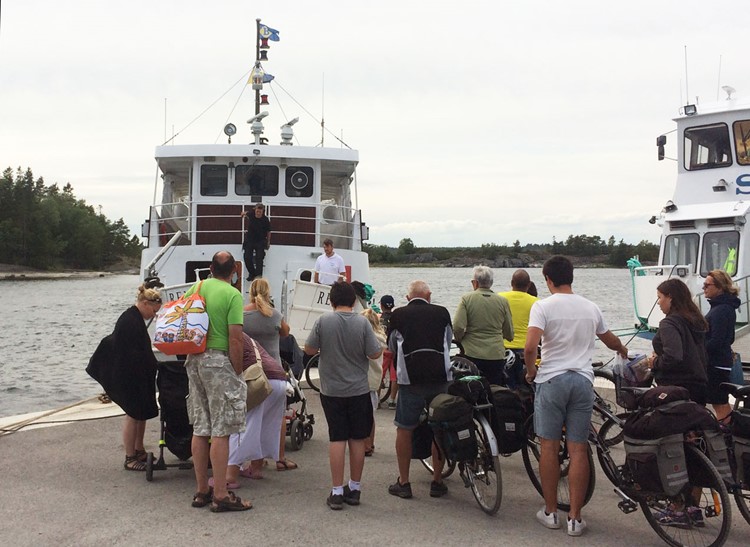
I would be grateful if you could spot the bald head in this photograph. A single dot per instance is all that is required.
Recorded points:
(419, 289)
(222, 265)
(520, 280)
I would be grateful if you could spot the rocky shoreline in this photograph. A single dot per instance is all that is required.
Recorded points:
(14, 272)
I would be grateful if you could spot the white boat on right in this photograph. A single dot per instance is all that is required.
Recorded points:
(705, 223)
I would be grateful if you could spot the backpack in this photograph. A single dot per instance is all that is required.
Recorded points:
(451, 418)
(182, 325)
(669, 419)
(741, 435)
(657, 465)
(661, 395)
(473, 389)
(508, 420)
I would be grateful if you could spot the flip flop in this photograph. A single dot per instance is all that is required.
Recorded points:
(285, 465)
(230, 485)
(250, 474)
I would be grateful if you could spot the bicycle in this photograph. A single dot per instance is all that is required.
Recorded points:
(481, 473)
(740, 488)
(313, 378)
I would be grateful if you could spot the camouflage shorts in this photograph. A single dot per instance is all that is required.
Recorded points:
(216, 399)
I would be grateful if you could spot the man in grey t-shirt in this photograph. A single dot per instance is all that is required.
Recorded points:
(346, 342)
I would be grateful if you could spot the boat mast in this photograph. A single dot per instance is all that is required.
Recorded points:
(257, 61)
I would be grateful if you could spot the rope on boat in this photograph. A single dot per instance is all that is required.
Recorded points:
(12, 428)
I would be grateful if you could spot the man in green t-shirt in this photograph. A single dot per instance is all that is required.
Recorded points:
(216, 402)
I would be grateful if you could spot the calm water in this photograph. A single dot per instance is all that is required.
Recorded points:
(51, 328)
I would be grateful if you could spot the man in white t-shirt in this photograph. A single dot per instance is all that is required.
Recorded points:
(329, 267)
(567, 325)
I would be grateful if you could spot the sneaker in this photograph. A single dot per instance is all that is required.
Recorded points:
(391, 404)
(351, 497)
(576, 527)
(695, 515)
(548, 520)
(678, 519)
(400, 490)
(438, 489)
(335, 501)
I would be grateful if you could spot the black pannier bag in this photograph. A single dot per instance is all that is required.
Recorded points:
(716, 450)
(675, 417)
(741, 435)
(452, 422)
(657, 465)
(474, 389)
(662, 395)
(507, 419)
(421, 441)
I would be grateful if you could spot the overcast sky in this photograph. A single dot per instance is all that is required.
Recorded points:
(476, 121)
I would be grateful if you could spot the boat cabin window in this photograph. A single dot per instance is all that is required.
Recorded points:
(299, 182)
(681, 249)
(214, 180)
(720, 252)
(707, 146)
(256, 180)
(742, 141)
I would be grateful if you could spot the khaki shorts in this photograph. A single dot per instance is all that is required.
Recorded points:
(216, 398)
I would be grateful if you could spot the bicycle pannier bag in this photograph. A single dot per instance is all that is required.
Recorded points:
(661, 395)
(421, 441)
(507, 420)
(675, 417)
(716, 450)
(474, 389)
(657, 465)
(741, 434)
(182, 325)
(451, 419)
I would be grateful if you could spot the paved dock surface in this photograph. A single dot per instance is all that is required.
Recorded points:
(66, 485)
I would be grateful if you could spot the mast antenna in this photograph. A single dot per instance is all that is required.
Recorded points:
(687, 89)
(718, 80)
(323, 112)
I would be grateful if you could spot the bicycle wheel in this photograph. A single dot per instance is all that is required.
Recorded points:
(700, 514)
(604, 385)
(311, 373)
(611, 432)
(610, 436)
(384, 390)
(483, 472)
(742, 498)
(531, 453)
(448, 468)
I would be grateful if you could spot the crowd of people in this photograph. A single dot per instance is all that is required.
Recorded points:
(412, 344)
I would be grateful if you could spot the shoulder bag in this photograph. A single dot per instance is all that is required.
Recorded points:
(182, 325)
(258, 386)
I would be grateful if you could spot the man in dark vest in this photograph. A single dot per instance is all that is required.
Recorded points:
(419, 336)
(257, 241)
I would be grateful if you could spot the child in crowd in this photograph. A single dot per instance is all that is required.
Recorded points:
(374, 374)
(346, 341)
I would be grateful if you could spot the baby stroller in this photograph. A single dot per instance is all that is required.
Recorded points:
(299, 424)
(176, 431)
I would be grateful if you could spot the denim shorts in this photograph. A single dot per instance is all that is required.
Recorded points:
(565, 400)
(412, 400)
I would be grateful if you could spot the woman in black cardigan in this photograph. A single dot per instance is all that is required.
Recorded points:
(679, 357)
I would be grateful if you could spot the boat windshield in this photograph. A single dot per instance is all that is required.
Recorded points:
(707, 147)
(742, 140)
(681, 249)
(720, 252)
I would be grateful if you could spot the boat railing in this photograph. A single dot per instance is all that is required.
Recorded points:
(202, 223)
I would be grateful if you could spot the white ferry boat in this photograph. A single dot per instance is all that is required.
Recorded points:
(203, 189)
(704, 224)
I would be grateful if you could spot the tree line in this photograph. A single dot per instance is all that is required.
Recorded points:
(46, 227)
(609, 252)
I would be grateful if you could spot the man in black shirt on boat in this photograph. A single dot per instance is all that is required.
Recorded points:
(257, 241)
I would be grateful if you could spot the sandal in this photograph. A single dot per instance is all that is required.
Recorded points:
(132, 463)
(141, 455)
(285, 465)
(201, 499)
(231, 503)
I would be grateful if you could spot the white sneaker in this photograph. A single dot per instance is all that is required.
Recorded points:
(576, 527)
(549, 521)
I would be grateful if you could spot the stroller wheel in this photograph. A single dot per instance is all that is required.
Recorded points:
(297, 434)
(308, 428)
(150, 466)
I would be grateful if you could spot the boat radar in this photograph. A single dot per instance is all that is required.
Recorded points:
(287, 132)
(256, 126)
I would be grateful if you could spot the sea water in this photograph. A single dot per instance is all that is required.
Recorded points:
(50, 328)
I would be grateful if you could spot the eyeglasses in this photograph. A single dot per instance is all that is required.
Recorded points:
(706, 285)
(155, 300)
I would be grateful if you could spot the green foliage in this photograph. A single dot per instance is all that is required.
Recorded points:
(45, 228)
(406, 246)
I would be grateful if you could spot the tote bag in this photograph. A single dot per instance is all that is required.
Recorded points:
(182, 325)
(258, 386)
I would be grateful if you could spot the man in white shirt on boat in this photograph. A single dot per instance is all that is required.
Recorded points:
(329, 267)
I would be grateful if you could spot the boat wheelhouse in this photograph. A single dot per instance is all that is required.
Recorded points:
(202, 191)
(704, 224)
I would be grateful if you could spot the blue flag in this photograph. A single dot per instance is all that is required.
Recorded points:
(269, 33)
(267, 77)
